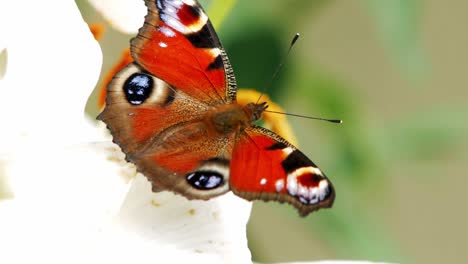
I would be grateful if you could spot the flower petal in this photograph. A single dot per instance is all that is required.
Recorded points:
(63, 198)
(125, 15)
(74, 211)
(213, 230)
(53, 63)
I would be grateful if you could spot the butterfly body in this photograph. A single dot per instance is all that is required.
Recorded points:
(174, 113)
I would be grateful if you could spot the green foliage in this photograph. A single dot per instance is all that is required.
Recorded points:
(429, 135)
(398, 21)
(218, 11)
(257, 43)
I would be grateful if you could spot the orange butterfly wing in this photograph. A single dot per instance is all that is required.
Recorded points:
(264, 166)
(179, 45)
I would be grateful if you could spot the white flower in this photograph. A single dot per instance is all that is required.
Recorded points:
(126, 16)
(71, 198)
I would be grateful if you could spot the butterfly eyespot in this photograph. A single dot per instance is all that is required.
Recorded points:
(138, 88)
(205, 180)
(307, 185)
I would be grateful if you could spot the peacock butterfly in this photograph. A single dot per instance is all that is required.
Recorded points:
(173, 111)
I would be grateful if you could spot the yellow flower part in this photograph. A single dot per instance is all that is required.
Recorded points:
(276, 122)
(97, 29)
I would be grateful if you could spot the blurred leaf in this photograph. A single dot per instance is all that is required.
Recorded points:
(219, 10)
(255, 50)
(332, 98)
(397, 21)
(349, 231)
(255, 56)
(353, 236)
(427, 135)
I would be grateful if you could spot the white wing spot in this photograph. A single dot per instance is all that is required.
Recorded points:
(292, 185)
(170, 15)
(214, 52)
(305, 170)
(190, 2)
(263, 181)
(313, 196)
(287, 151)
(173, 23)
(167, 32)
(279, 185)
(323, 189)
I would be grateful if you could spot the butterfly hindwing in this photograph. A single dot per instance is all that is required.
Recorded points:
(184, 160)
(179, 45)
(266, 167)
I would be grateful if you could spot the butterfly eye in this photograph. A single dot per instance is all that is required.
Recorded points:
(205, 180)
(138, 88)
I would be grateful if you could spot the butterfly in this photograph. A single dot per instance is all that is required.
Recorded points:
(173, 112)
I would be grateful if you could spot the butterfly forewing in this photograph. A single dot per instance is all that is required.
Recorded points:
(139, 106)
(265, 166)
(179, 45)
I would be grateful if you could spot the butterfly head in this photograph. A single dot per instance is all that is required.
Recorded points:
(254, 111)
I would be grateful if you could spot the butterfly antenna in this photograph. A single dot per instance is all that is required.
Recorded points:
(337, 121)
(280, 66)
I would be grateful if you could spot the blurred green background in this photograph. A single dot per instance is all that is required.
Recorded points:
(396, 72)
